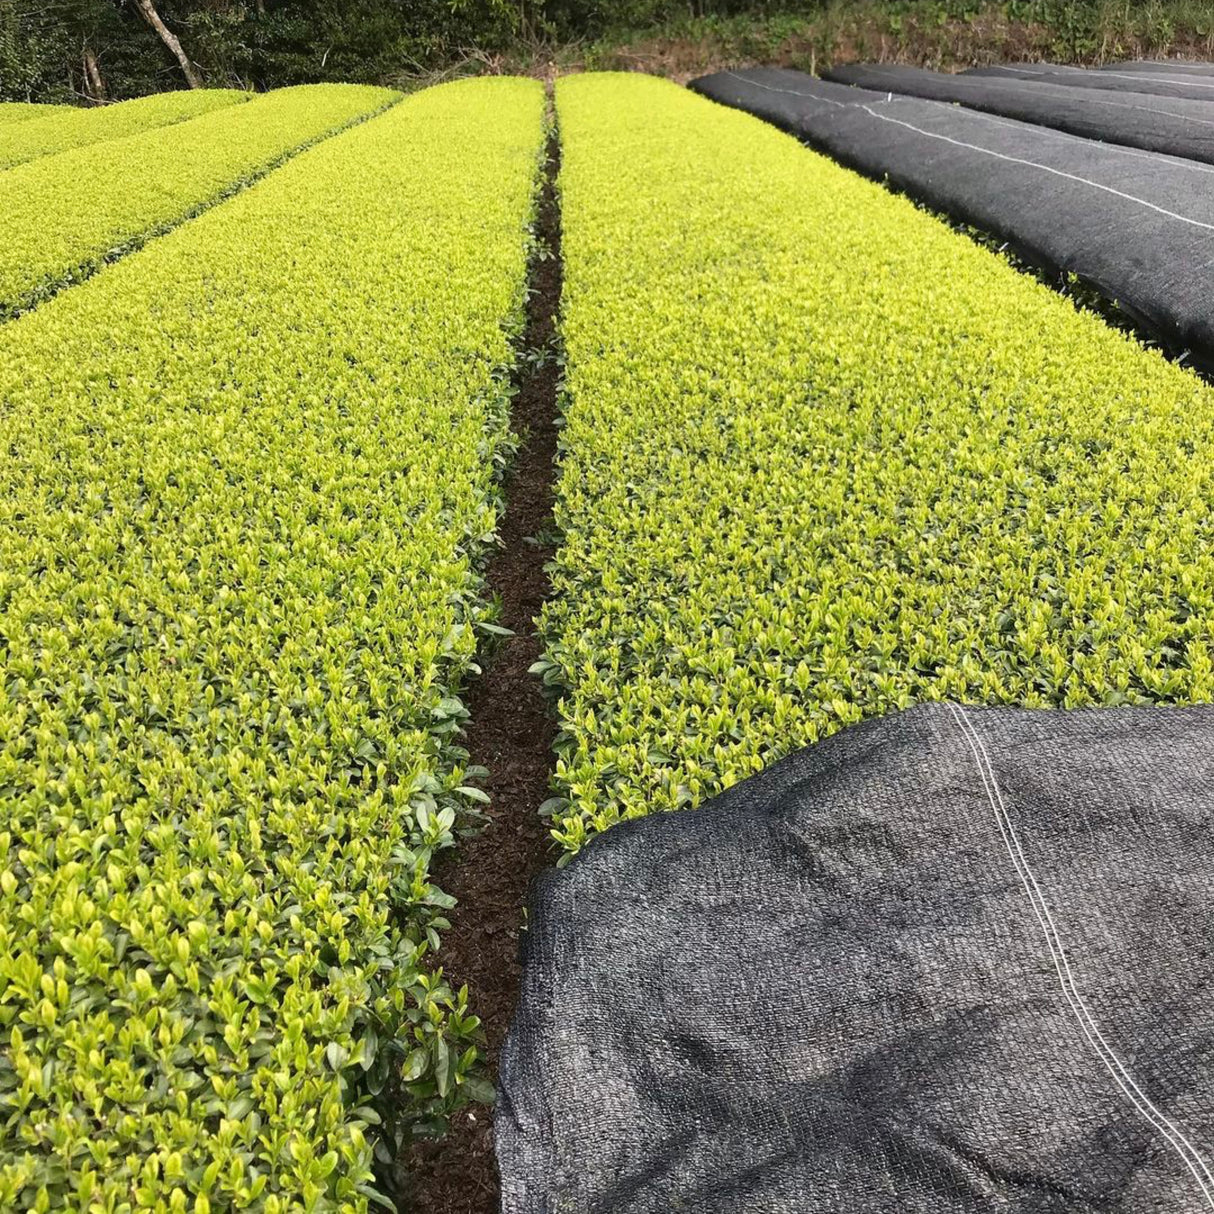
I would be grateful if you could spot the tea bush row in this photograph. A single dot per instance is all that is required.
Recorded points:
(64, 127)
(248, 476)
(62, 215)
(23, 111)
(825, 458)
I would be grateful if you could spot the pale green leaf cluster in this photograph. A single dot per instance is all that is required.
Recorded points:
(22, 111)
(248, 476)
(63, 215)
(65, 127)
(825, 457)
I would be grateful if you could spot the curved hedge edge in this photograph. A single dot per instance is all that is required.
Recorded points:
(23, 111)
(470, 1073)
(84, 270)
(69, 126)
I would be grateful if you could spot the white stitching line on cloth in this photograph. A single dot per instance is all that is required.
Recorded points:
(1000, 120)
(1053, 72)
(1183, 1147)
(1092, 101)
(1138, 153)
(1136, 76)
(771, 88)
(1032, 164)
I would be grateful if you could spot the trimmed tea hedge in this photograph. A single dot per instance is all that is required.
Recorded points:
(66, 127)
(247, 476)
(62, 215)
(22, 111)
(825, 457)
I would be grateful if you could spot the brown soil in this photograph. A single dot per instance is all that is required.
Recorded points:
(510, 732)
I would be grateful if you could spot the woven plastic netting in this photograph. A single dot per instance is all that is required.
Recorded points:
(1156, 124)
(951, 960)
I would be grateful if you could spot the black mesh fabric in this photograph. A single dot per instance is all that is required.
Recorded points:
(951, 960)
(1115, 78)
(1136, 226)
(1174, 126)
(1174, 67)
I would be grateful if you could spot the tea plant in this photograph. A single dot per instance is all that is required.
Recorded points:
(64, 127)
(62, 215)
(22, 111)
(824, 458)
(248, 475)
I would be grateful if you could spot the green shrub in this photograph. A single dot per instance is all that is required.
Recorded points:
(248, 473)
(23, 111)
(825, 458)
(67, 127)
(62, 215)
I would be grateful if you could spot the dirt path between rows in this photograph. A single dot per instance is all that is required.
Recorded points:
(510, 732)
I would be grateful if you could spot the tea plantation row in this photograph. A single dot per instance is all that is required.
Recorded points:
(825, 457)
(61, 215)
(23, 111)
(248, 472)
(65, 127)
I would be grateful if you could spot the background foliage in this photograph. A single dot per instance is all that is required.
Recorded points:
(263, 43)
(269, 43)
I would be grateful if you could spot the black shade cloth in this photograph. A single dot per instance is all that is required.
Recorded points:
(1113, 78)
(1136, 226)
(951, 960)
(1174, 126)
(1184, 67)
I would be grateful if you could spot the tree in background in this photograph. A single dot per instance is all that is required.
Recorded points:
(55, 50)
(147, 10)
(79, 50)
(94, 50)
